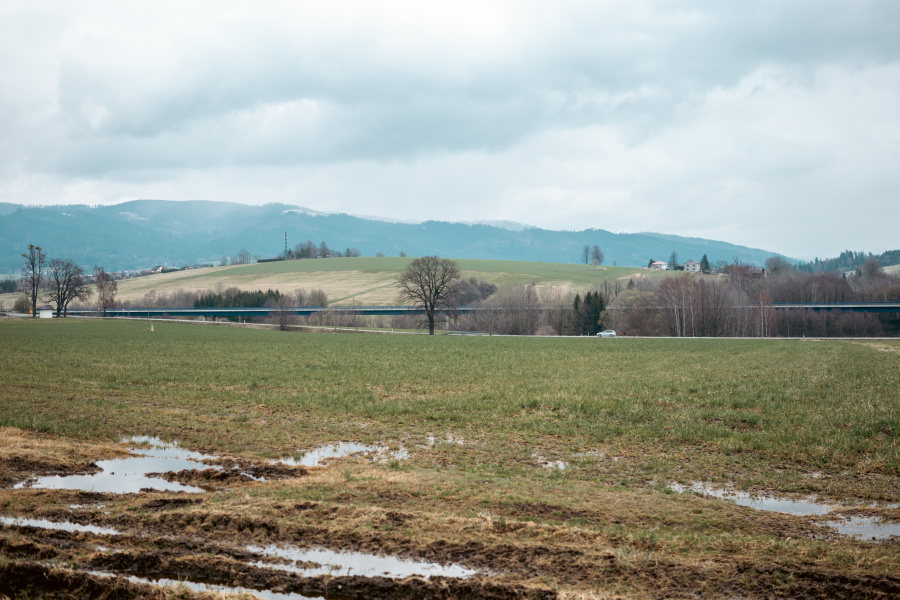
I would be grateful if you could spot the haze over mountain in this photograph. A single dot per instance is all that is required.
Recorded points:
(143, 233)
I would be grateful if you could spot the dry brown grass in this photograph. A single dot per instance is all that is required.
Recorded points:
(341, 286)
(16, 444)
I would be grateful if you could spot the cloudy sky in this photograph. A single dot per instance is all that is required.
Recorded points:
(773, 124)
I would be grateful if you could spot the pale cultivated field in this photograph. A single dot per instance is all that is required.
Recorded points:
(341, 286)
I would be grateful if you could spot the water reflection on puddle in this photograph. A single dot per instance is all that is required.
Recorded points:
(864, 527)
(129, 475)
(868, 528)
(59, 526)
(210, 587)
(321, 455)
(355, 564)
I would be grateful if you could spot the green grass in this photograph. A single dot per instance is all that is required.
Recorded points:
(751, 412)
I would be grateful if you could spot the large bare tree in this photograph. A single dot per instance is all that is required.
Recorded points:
(66, 283)
(33, 273)
(431, 283)
(106, 290)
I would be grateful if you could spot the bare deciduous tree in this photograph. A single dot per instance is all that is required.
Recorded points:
(766, 325)
(776, 265)
(519, 310)
(106, 290)
(66, 284)
(32, 274)
(680, 298)
(597, 255)
(430, 283)
(242, 258)
(282, 315)
(316, 298)
(634, 312)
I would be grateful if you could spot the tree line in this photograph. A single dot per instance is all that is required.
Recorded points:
(61, 281)
(740, 303)
(308, 249)
(848, 260)
(302, 250)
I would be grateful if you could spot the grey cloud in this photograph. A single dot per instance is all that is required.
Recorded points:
(588, 71)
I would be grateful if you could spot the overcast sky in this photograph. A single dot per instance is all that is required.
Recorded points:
(772, 124)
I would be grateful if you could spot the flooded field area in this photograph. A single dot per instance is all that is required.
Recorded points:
(160, 518)
(853, 521)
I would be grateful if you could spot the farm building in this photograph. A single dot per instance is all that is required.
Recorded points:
(659, 266)
(45, 312)
(692, 265)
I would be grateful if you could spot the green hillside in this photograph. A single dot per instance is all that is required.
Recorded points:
(364, 280)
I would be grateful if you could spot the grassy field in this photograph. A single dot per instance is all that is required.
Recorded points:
(364, 280)
(626, 417)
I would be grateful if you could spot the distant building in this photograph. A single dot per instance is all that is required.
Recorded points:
(45, 312)
(692, 265)
(659, 266)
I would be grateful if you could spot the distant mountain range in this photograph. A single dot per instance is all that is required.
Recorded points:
(145, 233)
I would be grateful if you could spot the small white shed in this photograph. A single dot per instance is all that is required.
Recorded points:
(45, 312)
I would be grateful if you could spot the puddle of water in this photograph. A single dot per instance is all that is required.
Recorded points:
(163, 449)
(60, 526)
(129, 475)
(355, 564)
(211, 587)
(770, 503)
(865, 527)
(320, 456)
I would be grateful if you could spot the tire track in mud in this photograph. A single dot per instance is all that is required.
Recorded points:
(156, 552)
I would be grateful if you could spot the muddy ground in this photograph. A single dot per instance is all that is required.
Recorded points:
(603, 549)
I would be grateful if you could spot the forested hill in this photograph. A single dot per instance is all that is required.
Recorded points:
(850, 261)
(145, 233)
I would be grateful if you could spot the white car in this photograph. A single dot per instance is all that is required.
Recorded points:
(607, 333)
